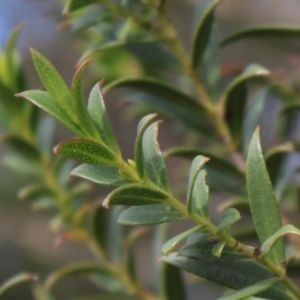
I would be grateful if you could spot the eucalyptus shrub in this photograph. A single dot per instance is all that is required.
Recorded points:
(224, 118)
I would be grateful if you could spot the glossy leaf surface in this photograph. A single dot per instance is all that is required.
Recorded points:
(86, 151)
(229, 217)
(203, 30)
(138, 150)
(236, 99)
(232, 270)
(149, 215)
(264, 207)
(103, 175)
(97, 111)
(134, 194)
(153, 160)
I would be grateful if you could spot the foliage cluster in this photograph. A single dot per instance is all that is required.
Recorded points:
(225, 118)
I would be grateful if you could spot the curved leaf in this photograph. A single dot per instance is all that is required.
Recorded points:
(10, 283)
(134, 194)
(203, 30)
(87, 151)
(149, 215)
(154, 163)
(252, 290)
(97, 111)
(169, 101)
(218, 249)
(197, 164)
(75, 269)
(263, 31)
(138, 150)
(171, 244)
(236, 99)
(264, 207)
(103, 175)
(45, 101)
(79, 103)
(271, 241)
(229, 217)
(73, 5)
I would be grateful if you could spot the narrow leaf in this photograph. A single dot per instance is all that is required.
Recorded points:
(269, 31)
(203, 30)
(134, 194)
(45, 101)
(97, 111)
(229, 217)
(79, 103)
(86, 151)
(252, 290)
(103, 175)
(271, 241)
(233, 270)
(171, 244)
(153, 160)
(75, 269)
(264, 207)
(149, 215)
(10, 283)
(139, 157)
(197, 164)
(236, 99)
(218, 248)
(172, 283)
(73, 5)
(55, 85)
(169, 101)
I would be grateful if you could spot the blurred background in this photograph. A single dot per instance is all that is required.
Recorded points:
(26, 241)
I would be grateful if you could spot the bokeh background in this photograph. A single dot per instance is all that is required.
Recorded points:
(26, 241)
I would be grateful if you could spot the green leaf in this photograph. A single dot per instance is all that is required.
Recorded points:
(17, 279)
(171, 244)
(79, 103)
(76, 269)
(105, 298)
(203, 30)
(73, 5)
(168, 100)
(21, 146)
(103, 175)
(253, 116)
(269, 31)
(34, 191)
(233, 270)
(97, 111)
(264, 207)
(275, 157)
(229, 217)
(134, 194)
(251, 290)
(236, 99)
(87, 151)
(55, 85)
(98, 222)
(45, 101)
(149, 215)
(218, 249)
(197, 165)
(153, 160)
(271, 241)
(139, 157)
(40, 293)
(210, 68)
(173, 287)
